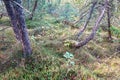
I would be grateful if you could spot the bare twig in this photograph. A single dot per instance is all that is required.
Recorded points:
(71, 24)
(83, 14)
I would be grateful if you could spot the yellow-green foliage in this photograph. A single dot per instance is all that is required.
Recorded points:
(48, 63)
(115, 31)
(108, 68)
(5, 21)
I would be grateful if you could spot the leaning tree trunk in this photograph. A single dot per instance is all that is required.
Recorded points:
(89, 17)
(94, 30)
(33, 11)
(12, 16)
(16, 15)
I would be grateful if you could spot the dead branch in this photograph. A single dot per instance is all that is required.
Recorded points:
(83, 14)
(71, 24)
(4, 28)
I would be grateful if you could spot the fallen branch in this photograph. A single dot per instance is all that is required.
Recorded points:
(72, 25)
(4, 28)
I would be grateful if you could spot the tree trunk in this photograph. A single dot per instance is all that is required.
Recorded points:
(109, 23)
(89, 17)
(16, 15)
(13, 18)
(94, 30)
(34, 8)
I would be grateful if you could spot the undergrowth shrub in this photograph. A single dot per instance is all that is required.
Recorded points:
(115, 31)
(5, 21)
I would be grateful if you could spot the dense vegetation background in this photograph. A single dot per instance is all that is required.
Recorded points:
(55, 27)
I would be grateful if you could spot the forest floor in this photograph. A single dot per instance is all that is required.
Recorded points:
(54, 59)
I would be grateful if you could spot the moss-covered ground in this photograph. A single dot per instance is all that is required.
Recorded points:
(98, 60)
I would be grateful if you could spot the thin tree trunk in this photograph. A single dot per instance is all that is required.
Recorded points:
(34, 8)
(17, 19)
(23, 30)
(109, 23)
(13, 19)
(89, 17)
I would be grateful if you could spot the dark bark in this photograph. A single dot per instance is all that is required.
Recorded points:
(23, 29)
(109, 23)
(18, 22)
(12, 16)
(34, 8)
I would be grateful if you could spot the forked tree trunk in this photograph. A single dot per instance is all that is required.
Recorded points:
(16, 15)
(94, 30)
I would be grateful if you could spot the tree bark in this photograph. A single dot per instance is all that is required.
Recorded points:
(95, 28)
(89, 17)
(34, 8)
(109, 23)
(12, 15)
(19, 26)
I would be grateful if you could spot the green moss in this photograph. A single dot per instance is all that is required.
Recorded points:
(5, 21)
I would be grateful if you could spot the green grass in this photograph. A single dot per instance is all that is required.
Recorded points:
(48, 63)
(5, 21)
